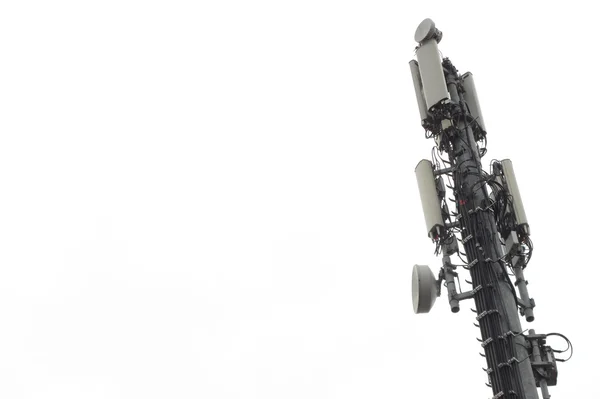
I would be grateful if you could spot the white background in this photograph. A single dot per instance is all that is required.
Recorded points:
(217, 199)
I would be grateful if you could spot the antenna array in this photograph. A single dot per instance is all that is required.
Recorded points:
(486, 232)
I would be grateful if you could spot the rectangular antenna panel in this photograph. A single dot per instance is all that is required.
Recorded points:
(416, 76)
(513, 190)
(429, 198)
(471, 99)
(432, 74)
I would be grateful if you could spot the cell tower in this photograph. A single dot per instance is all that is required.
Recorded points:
(486, 233)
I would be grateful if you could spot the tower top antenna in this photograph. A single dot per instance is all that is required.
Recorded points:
(427, 30)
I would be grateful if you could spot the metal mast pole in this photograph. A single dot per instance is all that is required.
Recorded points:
(490, 220)
(507, 359)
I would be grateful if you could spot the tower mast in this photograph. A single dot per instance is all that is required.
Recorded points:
(486, 233)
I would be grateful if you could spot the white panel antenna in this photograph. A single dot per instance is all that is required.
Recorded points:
(513, 189)
(432, 210)
(432, 74)
(416, 76)
(471, 99)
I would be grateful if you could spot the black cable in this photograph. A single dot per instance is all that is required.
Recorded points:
(569, 347)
